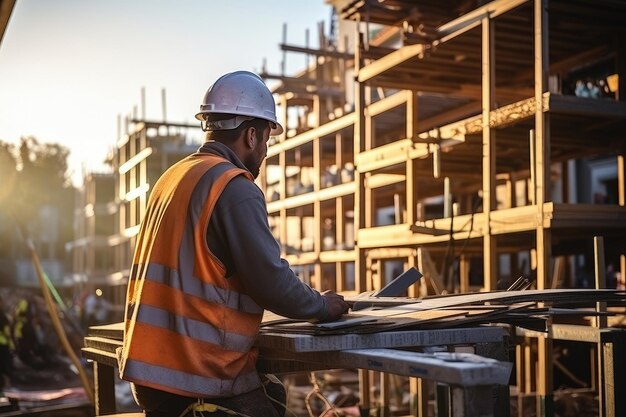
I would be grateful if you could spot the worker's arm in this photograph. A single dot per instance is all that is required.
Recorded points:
(239, 223)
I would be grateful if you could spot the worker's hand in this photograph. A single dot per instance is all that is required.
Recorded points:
(335, 305)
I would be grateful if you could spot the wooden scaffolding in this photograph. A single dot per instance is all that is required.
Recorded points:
(457, 136)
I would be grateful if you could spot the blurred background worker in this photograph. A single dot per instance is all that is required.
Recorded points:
(206, 266)
(6, 348)
(28, 335)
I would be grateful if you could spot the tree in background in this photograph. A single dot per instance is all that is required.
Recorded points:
(35, 192)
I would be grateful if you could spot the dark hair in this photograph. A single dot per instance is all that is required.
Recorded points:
(229, 136)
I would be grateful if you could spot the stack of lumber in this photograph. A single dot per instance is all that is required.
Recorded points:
(529, 309)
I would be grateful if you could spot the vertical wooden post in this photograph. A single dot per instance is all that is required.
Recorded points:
(542, 142)
(542, 182)
(600, 322)
(282, 184)
(489, 155)
(621, 190)
(412, 113)
(360, 270)
(385, 398)
(464, 269)
(104, 389)
(317, 213)
(359, 177)
(411, 164)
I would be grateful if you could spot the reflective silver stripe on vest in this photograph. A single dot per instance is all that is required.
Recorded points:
(193, 286)
(137, 371)
(193, 328)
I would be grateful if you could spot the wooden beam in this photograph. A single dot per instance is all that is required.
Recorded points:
(544, 404)
(621, 189)
(445, 33)
(317, 52)
(386, 104)
(490, 256)
(542, 141)
(303, 138)
(492, 10)
(359, 177)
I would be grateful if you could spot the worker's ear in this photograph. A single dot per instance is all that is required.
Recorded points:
(251, 137)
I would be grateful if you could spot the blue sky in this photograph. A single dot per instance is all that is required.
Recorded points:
(69, 67)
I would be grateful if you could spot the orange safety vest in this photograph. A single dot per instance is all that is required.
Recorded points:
(188, 329)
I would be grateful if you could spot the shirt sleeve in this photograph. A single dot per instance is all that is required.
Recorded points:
(240, 237)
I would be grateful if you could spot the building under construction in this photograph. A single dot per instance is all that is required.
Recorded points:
(478, 141)
(481, 143)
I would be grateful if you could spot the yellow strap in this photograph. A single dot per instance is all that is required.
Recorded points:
(201, 407)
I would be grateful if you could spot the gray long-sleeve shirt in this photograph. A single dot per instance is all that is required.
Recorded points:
(240, 237)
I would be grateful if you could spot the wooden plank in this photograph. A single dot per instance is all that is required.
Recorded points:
(382, 180)
(104, 389)
(509, 297)
(544, 404)
(337, 256)
(318, 132)
(105, 358)
(490, 254)
(102, 343)
(383, 156)
(492, 9)
(328, 193)
(113, 330)
(452, 368)
(387, 103)
(563, 104)
(360, 219)
(308, 343)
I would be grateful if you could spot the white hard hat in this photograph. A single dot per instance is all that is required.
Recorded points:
(242, 94)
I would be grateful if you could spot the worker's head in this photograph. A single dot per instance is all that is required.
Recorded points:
(248, 141)
(239, 111)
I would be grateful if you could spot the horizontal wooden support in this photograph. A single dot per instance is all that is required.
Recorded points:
(504, 221)
(517, 219)
(459, 369)
(445, 33)
(102, 343)
(492, 9)
(562, 104)
(291, 202)
(337, 256)
(389, 253)
(383, 156)
(393, 235)
(335, 191)
(100, 356)
(585, 216)
(411, 338)
(572, 332)
(387, 103)
(135, 160)
(304, 258)
(318, 132)
(381, 180)
(316, 52)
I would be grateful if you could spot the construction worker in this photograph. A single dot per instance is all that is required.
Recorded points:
(28, 335)
(6, 348)
(206, 266)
